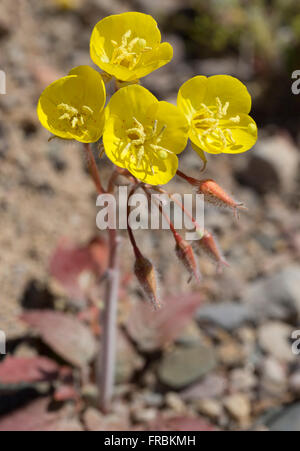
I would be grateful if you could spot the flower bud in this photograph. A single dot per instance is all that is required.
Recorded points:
(208, 244)
(214, 194)
(145, 273)
(185, 253)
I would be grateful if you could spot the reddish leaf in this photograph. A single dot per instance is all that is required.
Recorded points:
(152, 330)
(69, 265)
(66, 335)
(181, 423)
(15, 370)
(36, 417)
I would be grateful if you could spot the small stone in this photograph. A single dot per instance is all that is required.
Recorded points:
(175, 403)
(90, 394)
(128, 360)
(212, 386)
(142, 415)
(273, 338)
(242, 379)
(274, 376)
(231, 353)
(228, 315)
(288, 420)
(277, 296)
(239, 407)
(295, 382)
(210, 407)
(153, 399)
(184, 365)
(24, 350)
(266, 170)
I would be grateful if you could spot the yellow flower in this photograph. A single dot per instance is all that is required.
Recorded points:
(217, 109)
(127, 46)
(144, 135)
(73, 106)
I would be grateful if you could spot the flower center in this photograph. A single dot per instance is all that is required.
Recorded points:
(129, 51)
(77, 118)
(143, 145)
(213, 126)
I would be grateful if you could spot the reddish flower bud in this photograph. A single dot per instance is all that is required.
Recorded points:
(145, 273)
(209, 245)
(214, 194)
(185, 253)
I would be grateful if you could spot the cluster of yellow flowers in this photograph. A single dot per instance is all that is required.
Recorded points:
(139, 132)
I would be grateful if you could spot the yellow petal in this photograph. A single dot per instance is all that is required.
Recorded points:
(154, 59)
(245, 135)
(83, 90)
(108, 34)
(95, 94)
(201, 154)
(191, 95)
(164, 170)
(131, 101)
(176, 127)
(228, 89)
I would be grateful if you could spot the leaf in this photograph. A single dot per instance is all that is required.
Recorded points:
(66, 335)
(73, 266)
(16, 370)
(152, 330)
(37, 417)
(181, 423)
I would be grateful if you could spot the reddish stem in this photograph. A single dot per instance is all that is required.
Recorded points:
(93, 168)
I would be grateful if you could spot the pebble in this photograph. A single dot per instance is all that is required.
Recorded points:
(273, 338)
(239, 407)
(274, 375)
(228, 315)
(266, 171)
(210, 407)
(277, 296)
(242, 379)
(295, 382)
(184, 365)
(212, 386)
(231, 353)
(174, 401)
(287, 421)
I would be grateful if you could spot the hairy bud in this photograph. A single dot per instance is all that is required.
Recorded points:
(208, 244)
(185, 253)
(214, 194)
(145, 273)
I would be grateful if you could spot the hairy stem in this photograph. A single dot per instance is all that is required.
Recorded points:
(106, 368)
(93, 168)
(108, 318)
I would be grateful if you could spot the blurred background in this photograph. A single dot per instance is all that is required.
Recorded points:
(217, 356)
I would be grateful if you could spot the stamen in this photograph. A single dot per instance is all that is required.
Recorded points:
(140, 155)
(235, 119)
(88, 109)
(74, 122)
(207, 109)
(67, 108)
(125, 151)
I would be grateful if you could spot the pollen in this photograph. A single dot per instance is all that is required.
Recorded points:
(128, 52)
(213, 127)
(143, 146)
(77, 118)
